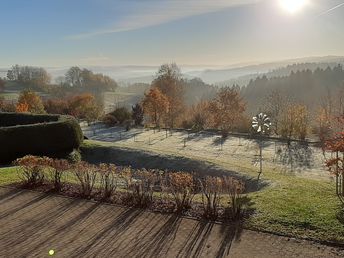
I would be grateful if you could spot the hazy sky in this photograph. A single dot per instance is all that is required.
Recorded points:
(151, 32)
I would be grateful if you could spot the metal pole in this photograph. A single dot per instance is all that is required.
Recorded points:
(260, 160)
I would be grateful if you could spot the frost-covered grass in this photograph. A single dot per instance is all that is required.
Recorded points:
(305, 161)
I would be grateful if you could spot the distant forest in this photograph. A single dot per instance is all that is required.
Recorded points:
(306, 87)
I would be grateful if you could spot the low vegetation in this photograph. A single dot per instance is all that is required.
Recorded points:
(165, 191)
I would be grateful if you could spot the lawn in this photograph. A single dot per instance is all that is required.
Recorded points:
(8, 175)
(299, 207)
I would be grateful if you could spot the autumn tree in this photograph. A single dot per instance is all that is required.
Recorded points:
(137, 114)
(196, 117)
(274, 106)
(57, 106)
(85, 106)
(169, 82)
(295, 122)
(32, 100)
(22, 108)
(227, 109)
(155, 105)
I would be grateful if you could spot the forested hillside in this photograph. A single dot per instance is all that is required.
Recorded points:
(306, 86)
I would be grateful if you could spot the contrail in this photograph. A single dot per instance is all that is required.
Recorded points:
(330, 10)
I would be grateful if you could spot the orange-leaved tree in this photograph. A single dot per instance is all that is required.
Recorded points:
(32, 100)
(85, 106)
(227, 109)
(155, 105)
(22, 108)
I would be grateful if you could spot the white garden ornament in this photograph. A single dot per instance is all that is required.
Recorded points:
(261, 123)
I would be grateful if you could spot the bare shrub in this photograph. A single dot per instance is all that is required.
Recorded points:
(211, 188)
(109, 179)
(234, 188)
(32, 170)
(181, 186)
(59, 167)
(141, 187)
(87, 175)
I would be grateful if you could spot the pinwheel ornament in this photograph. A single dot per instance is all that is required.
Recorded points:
(261, 123)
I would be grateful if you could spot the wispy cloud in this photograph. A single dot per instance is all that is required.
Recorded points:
(163, 11)
(332, 9)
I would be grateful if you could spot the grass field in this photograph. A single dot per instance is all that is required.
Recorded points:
(10, 96)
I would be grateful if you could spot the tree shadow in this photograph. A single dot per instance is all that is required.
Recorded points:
(22, 206)
(297, 156)
(264, 142)
(119, 225)
(219, 141)
(154, 243)
(144, 159)
(198, 136)
(230, 233)
(9, 195)
(29, 230)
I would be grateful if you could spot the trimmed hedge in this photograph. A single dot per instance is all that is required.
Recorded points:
(13, 119)
(50, 135)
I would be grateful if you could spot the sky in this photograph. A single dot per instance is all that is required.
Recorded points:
(56, 33)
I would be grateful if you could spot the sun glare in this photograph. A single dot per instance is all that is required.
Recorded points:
(293, 6)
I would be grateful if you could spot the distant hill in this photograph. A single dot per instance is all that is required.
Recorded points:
(284, 71)
(245, 73)
(305, 86)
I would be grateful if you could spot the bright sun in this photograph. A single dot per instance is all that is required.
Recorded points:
(293, 6)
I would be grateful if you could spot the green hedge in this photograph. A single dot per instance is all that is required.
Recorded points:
(23, 134)
(13, 119)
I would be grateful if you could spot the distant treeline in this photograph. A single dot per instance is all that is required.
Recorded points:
(75, 79)
(306, 86)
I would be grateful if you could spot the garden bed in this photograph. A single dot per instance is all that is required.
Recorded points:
(212, 198)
